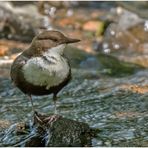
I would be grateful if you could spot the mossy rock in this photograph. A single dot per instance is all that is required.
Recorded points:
(60, 132)
(105, 63)
(116, 67)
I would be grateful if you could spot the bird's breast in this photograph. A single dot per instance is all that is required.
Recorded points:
(47, 70)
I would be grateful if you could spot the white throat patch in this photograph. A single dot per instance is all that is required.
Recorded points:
(49, 70)
(57, 50)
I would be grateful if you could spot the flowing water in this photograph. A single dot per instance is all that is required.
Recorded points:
(118, 107)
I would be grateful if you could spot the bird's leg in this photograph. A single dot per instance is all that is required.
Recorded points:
(30, 98)
(54, 117)
(55, 101)
(35, 112)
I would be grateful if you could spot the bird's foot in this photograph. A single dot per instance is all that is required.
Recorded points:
(51, 119)
(36, 115)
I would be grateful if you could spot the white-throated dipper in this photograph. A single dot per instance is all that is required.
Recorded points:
(42, 69)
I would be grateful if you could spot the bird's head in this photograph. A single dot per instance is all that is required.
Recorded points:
(51, 40)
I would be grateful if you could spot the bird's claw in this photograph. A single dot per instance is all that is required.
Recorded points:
(37, 117)
(51, 119)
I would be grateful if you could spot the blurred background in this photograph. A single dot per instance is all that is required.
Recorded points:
(109, 89)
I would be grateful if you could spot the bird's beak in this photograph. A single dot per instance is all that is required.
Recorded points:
(70, 40)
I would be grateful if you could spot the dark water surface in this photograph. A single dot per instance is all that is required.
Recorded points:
(116, 106)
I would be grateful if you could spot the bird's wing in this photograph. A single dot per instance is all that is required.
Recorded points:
(16, 68)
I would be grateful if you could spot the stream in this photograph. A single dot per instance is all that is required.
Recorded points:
(115, 106)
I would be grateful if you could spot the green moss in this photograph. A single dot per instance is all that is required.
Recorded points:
(100, 29)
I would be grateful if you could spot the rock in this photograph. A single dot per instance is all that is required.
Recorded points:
(14, 27)
(116, 67)
(4, 124)
(13, 134)
(141, 60)
(127, 19)
(140, 32)
(127, 33)
(140, 7)
(18, 23)
(60, 132)
(105, 63)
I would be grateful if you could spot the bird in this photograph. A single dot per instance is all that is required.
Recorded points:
(42, 68)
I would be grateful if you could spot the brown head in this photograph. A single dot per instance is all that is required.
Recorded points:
(49, 39)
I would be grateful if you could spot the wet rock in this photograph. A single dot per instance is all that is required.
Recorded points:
(129, 45)
(4, 124)
(127, 19)
(22, 128)
(116, 67)
(141, 60)
(118, 40)
(138, 7)
(18, 23)
(140, 32)
(14, 133)
(60, 132)
(11, 29)
(127, 34)
(36, 141)
(105, 63)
